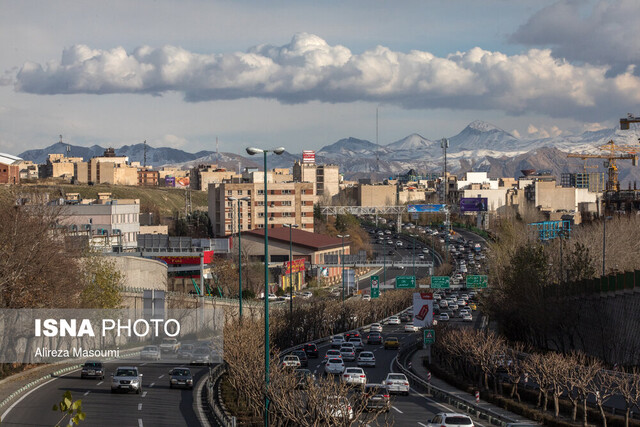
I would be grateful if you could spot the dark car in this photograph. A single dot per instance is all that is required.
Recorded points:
(302, 355)
(405, 317)
(180, 377)
(305, 378)
(92, 369)
(352, 334)
(374, 338)
(311, 350)
(373, 397)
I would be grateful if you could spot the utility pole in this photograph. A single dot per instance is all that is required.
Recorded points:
(145, 154)
(444, 144)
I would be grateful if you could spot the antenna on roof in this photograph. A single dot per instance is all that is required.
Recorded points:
(217, 151)
(378, 144)
(145, 154)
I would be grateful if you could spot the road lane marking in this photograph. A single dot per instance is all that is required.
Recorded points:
(100, 382)
(139, 406)
(397, 409)
(142, 364)
(89, 391)
(139, 422)
(152, 384)
(144, 393)
(160, 377)
(423, 425)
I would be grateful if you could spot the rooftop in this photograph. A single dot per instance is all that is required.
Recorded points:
(300, 238)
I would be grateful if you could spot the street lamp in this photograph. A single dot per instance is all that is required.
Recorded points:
(253, 151)
(413, 236)
(384, 262)
(290, 226)
(343, 236)
(241, 199)
(444, 144)
(604, 240)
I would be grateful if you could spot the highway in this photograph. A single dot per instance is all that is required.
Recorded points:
(414, 410)
(157, 405)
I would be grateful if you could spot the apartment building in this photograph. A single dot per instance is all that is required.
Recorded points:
(148, 177)
(289, 203)
(9, 170)
(59, 166)
(326, 178)
(203, 175)
(109, 169)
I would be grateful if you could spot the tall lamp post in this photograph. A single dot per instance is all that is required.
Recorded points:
(342, 269)
(384, 262)
(444, 144)
(290, 226)
(413, 237)
(604, 241)
(242, 199)
(253, 151)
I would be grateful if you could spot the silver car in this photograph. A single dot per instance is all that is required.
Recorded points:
(367, 358)
(126, 378)
(150, 352)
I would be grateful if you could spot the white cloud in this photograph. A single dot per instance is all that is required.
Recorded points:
(309, 69)
(515, 133)
(535, 132)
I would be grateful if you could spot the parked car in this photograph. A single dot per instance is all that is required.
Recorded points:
(448, 419)
(126, 378)
(92, 369)
(397, 383)
(180, 377)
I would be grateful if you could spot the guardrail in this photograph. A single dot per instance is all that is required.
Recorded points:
(446, 397)
(213, 387)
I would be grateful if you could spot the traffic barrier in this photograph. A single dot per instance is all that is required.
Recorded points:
(446, 397)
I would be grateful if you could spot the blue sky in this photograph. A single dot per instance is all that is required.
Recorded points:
(304, 74)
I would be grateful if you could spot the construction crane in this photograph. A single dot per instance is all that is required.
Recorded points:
(612, 153)
(625, 121)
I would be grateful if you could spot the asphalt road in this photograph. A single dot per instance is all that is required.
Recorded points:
(414, 410)
(157, 405)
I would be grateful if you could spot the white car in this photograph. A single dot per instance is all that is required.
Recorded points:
(291, 361)
(446, 419)
(367, 358)
(348, 353)
(354, 376)
(397, 383)
(443, 317)
(339, 408)
(375, 327)
(272, 297)
(443, 303)
(393, 320)
(306, 294)
(357, 343)
(337, 341)
(410, 327)
(398, 243)
(334, 366)
(366, 297)
(150, 352)
(332, 354)
(466, 317)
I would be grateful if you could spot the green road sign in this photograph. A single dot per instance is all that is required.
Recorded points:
(440, 282)
(429, 336)
(405, 282)
(477, 281)
(375, 287)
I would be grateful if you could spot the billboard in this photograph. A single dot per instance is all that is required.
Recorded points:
(422, 309)
(473, 204)
(182, 182)
(425, 208)
(169, 181)
(298, 265)
(309, 157)
(190, 260)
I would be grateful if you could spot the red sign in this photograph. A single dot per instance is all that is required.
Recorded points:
(308, 156)
(426, 295)
(190, 260)
(298, 265)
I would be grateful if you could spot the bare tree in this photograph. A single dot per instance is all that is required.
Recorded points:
(627, 383)
(602, 386)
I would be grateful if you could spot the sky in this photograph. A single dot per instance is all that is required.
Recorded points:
(304, 74)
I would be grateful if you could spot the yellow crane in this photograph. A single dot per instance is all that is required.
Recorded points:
(612, 153)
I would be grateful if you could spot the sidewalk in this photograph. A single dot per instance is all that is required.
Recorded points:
(420, 370)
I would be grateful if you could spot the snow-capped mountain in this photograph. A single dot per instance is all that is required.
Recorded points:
(480, 135)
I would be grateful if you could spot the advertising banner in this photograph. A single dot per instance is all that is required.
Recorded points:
(169, 181)
(298, 265)
(473, 204)
(422, 309)
(308, 157)
(425, 208)
(182, 182)
(190, 260)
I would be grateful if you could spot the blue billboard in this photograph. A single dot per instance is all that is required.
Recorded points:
(425, 208)
(473, 204)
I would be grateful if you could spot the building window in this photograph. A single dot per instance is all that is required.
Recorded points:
(248, 192)
(260, 192)
(260, 214)
(286, 214)
(239, 192)
(260, 203)
(286, 203)
(286, 192)
(229, 192)
(260, 225)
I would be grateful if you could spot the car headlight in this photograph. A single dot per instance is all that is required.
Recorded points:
(189, 381)
(173, 381)
(135, 381)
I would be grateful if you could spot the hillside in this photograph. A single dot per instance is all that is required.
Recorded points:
(162, 200)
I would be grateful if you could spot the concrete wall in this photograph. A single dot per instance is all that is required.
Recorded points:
(142, 272)
(377, 195)
(495, 198)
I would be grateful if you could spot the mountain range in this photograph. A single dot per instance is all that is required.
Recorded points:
(478, 147)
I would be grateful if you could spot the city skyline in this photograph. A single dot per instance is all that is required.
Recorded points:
(305, 76)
